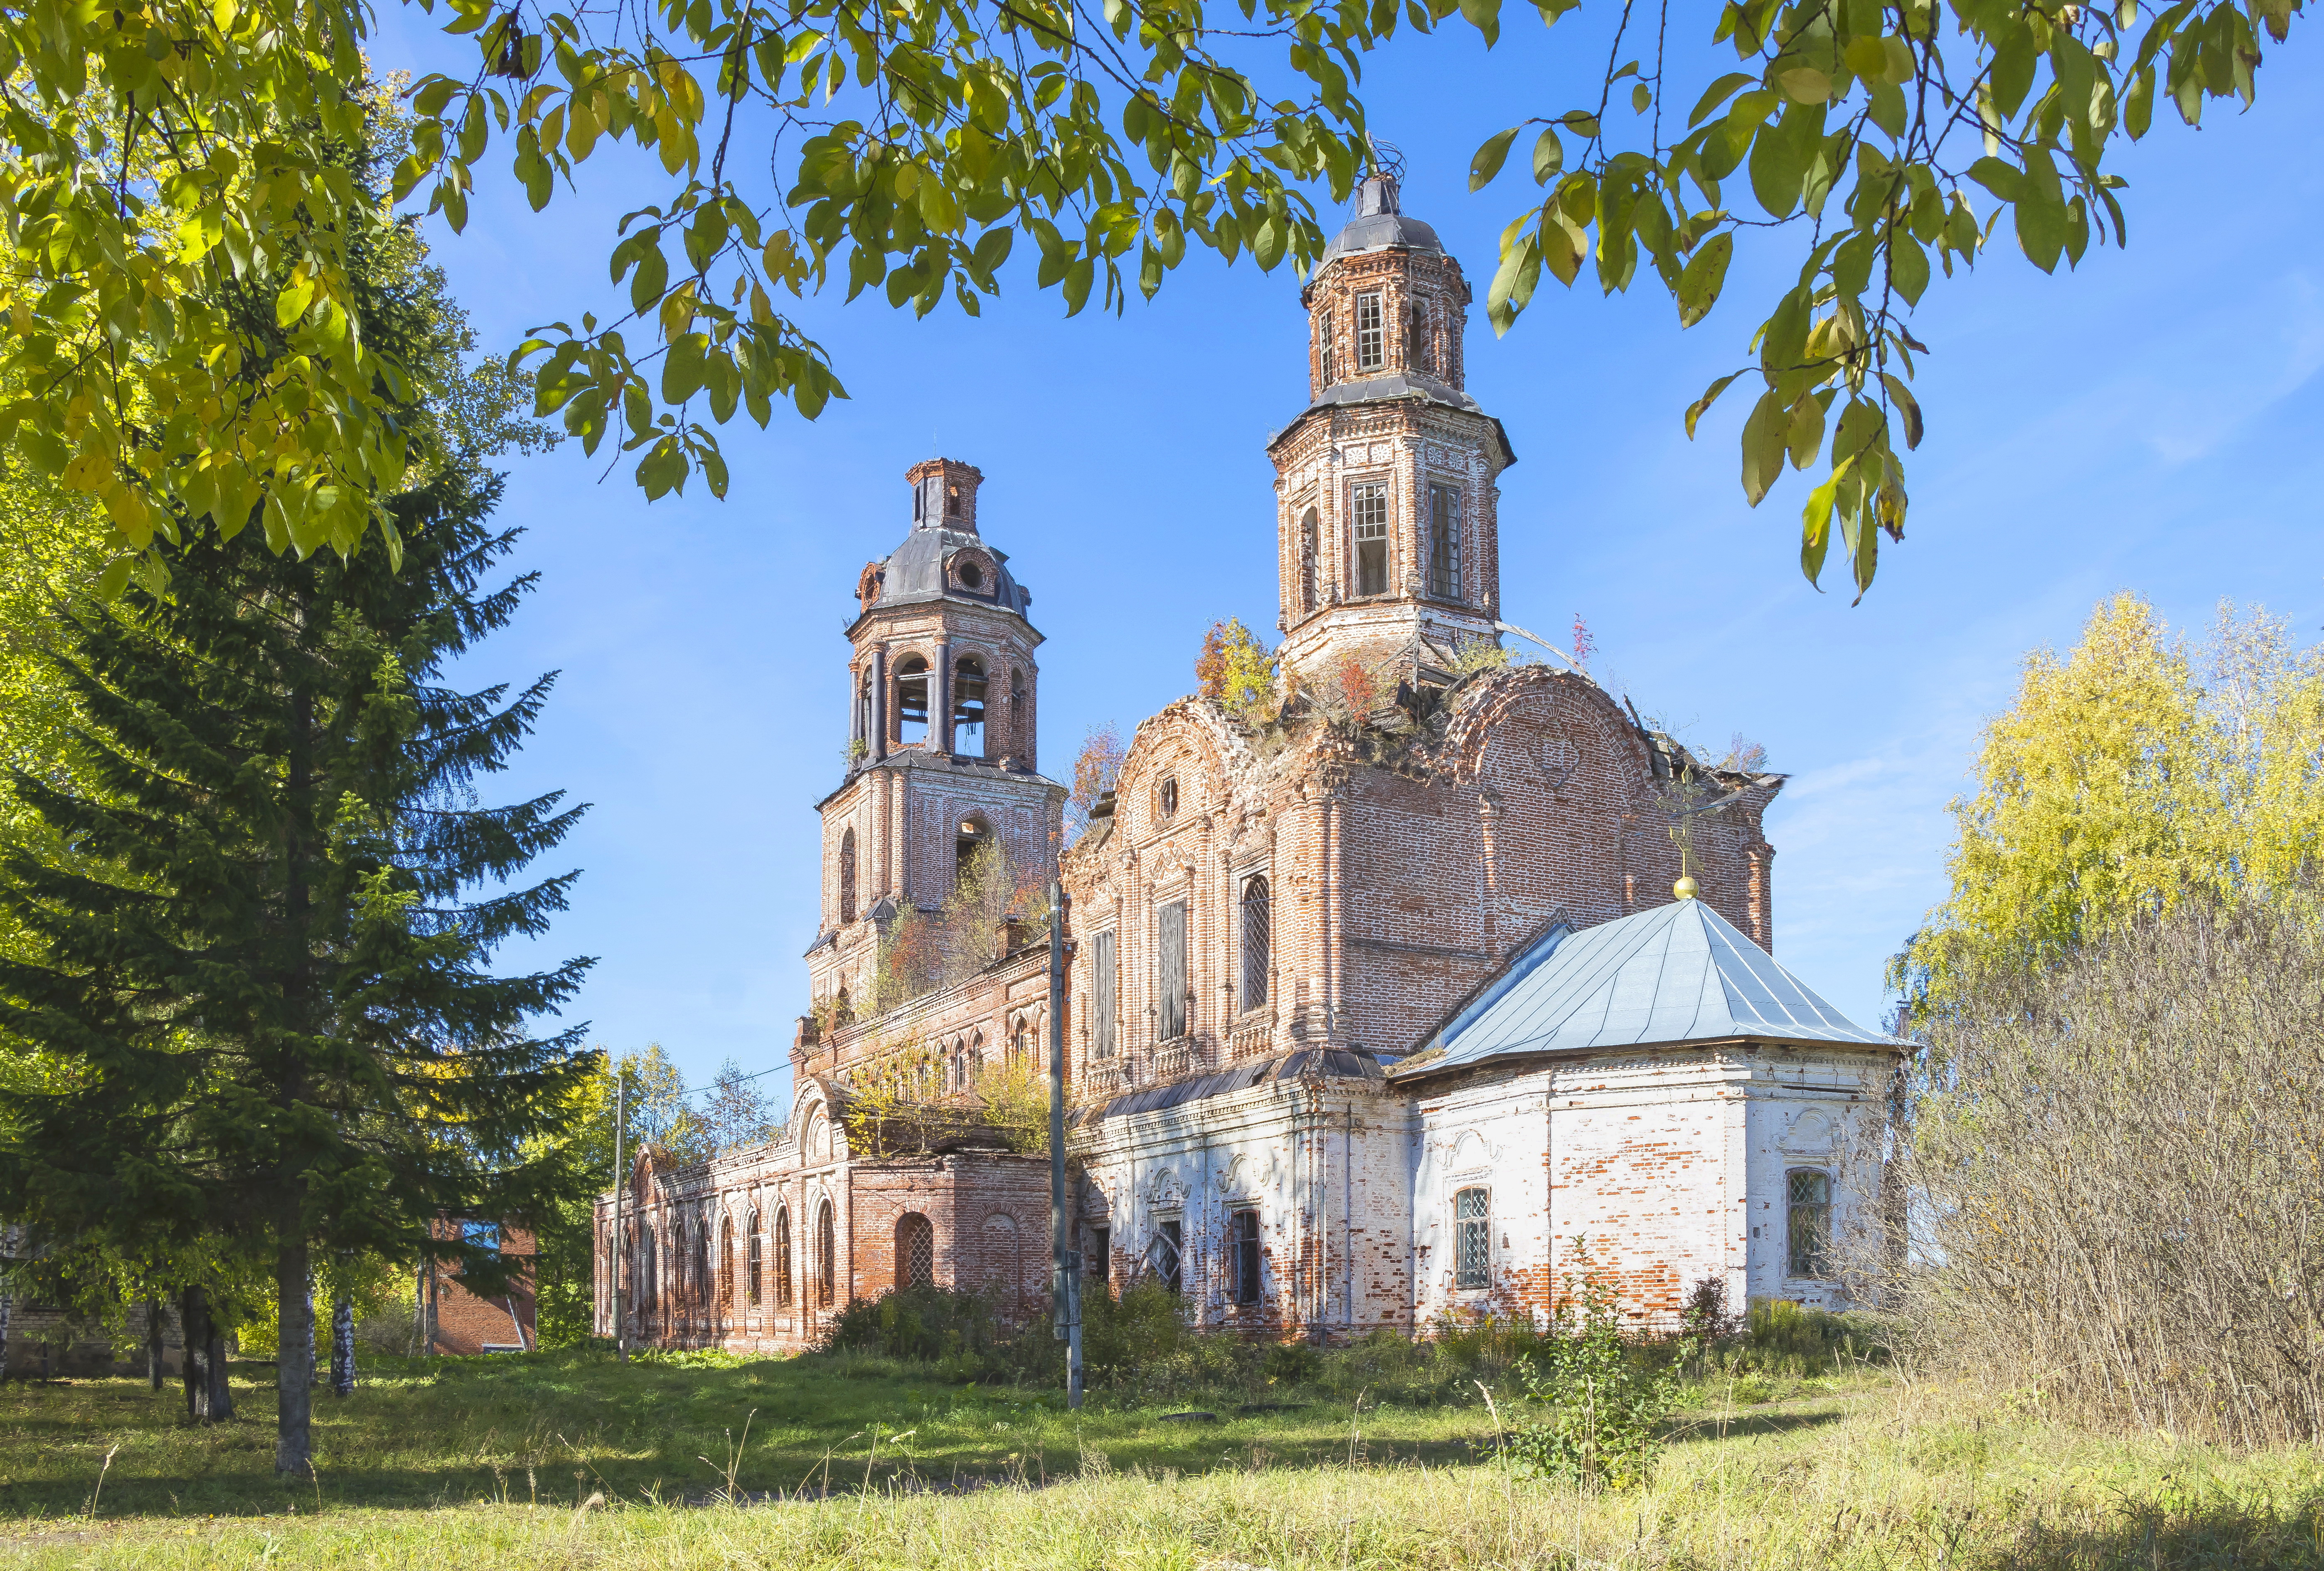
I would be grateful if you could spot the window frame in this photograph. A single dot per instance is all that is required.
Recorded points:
(1257, 957)
(914, 672)
(1473, 1240)
(1419, 343)
(754, 1254)
(1310, 532)
(970, 707)
(1809, 1258)
(1444, 507)
(1367, 515)
(1105, 993)
(1245, 1265)
(1170, 973)
(1328, 357)
(783, 1257)
(1371, 342)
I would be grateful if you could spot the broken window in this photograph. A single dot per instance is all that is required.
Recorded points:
(1420, 346)
(1307, 562)
(1170, 967)
(952, 501)
(968, 705)
(847, 877)
(915, 1250)
(1242, 1252)
(783, 1257)
(1165, 798)
(1445, 541)
(827, 1255)
(1101, 993)
(1256, 935)
(1472, 1240)
(973, 833)
(1164, 1255)
(1099, 1266)
(753, 1276)
(1807, 1229)
(1371, 340)
(911, 699)
(1371, 538)
(1324, 338)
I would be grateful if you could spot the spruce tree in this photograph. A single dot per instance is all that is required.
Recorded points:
(268, 1027)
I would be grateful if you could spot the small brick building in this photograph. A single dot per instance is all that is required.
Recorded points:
(1299, 938)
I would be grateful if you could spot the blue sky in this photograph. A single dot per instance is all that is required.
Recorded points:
(2138, 424)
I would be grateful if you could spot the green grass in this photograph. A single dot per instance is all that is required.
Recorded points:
(479, 1463)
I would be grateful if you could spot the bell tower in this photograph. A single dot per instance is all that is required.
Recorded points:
(1387, 486)
(942, 738)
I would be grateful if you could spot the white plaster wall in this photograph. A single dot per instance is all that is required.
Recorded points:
(1491, 1132)
(1811, 1108)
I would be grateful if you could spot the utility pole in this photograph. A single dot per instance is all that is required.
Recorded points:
(1065, 1276)
(621, 1126)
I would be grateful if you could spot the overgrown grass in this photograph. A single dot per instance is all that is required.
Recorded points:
(1356, 1458)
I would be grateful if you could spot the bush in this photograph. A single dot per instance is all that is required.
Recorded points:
(1291, 1364)
(926, 1324)
(1595, 1404)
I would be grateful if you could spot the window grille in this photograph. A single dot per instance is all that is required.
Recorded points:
(1256, 935)
(756, 1271)
(1808, 1223)
(1420, 346)
(915, 1250)
(1166, 1254)
(1243, 1237)
(1371, 538)
(1445, 541)
(783, 1258)
(1324, 333)
(1472, 1240)
(1370, 338)
(1170, 965)
(1102, 992)
(826, 1264)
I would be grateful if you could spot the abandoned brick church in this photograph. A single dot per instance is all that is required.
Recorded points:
(1387, 1007)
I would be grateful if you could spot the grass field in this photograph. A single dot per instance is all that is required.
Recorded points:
(573, 1460)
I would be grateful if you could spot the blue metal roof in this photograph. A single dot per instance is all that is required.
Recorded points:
(1680, 973)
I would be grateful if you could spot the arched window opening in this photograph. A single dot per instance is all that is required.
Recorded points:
(826, 1257)
(974, 835)
(1807, 1230)
(679, 1261)
(754, 1276)
(915, 1250)
(726, 1261)
(863, 707)
(847, 877)
(1472, 1240)
(844, 1008)
(703, 1284)
(642, 1268)
(1020, 1046)
(1307, 562)
(1445, 541)
(1004, 1264)
(1371, 538)
(972, 1067)
(1331, 370)
(968, 705)
(1243, 1255)
(919, 505)
(1421, 344)
(783, 1257)
(1021, 718)
(952, 501)
(911, 700)
(1256, 935)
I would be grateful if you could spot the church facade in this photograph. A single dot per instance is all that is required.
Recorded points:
(1433, 985)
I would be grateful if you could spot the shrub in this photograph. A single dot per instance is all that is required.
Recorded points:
(1595, 1405)
(928, 1325)
(1291, 1364)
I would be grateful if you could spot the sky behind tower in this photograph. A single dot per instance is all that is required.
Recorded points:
(2138, 425)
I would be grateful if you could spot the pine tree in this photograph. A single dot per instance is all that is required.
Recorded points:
(264, 1002)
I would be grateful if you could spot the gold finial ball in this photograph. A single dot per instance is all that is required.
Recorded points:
(1686, 888)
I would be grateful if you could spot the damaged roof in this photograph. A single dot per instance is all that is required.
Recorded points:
(1679, 973)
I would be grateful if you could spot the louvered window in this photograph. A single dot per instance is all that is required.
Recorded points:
(1103, 995)
(1170, 969)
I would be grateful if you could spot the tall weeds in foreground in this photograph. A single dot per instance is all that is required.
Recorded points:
(2110, 1194)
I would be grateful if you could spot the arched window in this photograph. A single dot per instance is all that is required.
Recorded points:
(1256, 935)
(1370, 509)
(973, 1065)
(783, 1257)
(863, 707)
(1307, 562)
(847, 877)
(974, 834)
(756, 1268)
(726, 1261)
(642, 1272)
(1021, 718)
(677, 1261)
(1472, 1240)
(703, 1285)
(1420, 344)
(915, 1250)
(968, 705)
(826, 1256)
(1004, 1264)
(1323, 340)
(952, 501)
(1807, 1222)
(911, 700)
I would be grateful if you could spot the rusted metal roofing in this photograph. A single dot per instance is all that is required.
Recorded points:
(1679, 973)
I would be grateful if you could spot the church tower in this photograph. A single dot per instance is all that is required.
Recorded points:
(942, 736)
(1386, 487)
